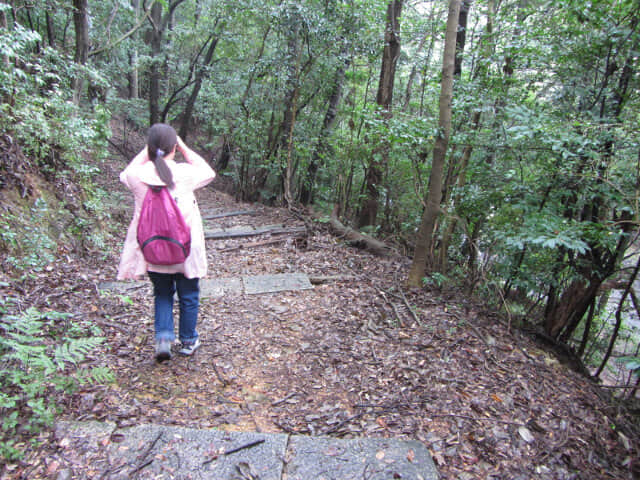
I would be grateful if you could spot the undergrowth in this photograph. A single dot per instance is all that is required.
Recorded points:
(41, 361)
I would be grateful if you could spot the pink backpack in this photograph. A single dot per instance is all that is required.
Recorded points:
(163, 235)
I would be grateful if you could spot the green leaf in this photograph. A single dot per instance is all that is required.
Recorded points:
(630, 363)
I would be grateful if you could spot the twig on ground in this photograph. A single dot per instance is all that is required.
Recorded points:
(244, 447)
(143, 458)
(320, 279)
(398, 316)
(477, 419)
(234, 450)
(220, 377)
(255, 244)
(338, 426)
(229, 214)
(282, 400)
(406, 302)
(286, 428)
(253, 416)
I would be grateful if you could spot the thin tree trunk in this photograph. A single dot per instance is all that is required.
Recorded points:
(567, 312)
(81, 24)
(423, 256)
(384, 98)
(457, 170)
(322, 146)
(188, 110)
(253, 73)
(587, 329)
(51, 37)
(134, 88)
(414, 68)
(158, 26)
(461, 36)
(154, 75)
(616, 329)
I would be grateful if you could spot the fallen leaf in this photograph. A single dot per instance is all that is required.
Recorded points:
(380, 455)
(331, 451)
(53, 467)
(526, 434)
(382, 422)
(437, 456)
(411, 456)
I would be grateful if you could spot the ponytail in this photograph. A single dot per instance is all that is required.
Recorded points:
(162, 140)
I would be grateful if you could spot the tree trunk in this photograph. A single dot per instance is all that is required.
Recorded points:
(322, 146)
(51, 37)
(457, 170)
(414, 69)
(154, 74)
(461, 36)
(384, 97)
(423, 255)
(599, 263)
(81, 24)
(291, 105)
(587, 329)
(616, 329)
(158, 26)
(188, 110)
(134, 88)
(573, 303)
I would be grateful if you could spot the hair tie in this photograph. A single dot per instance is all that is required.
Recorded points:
(159, 153)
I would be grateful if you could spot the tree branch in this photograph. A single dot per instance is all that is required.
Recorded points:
(147, 14)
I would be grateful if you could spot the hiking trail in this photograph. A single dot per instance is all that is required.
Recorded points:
(313, 344)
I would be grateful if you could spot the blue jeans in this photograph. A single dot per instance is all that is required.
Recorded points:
(164, 288)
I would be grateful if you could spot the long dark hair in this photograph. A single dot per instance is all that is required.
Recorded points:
(161, 141)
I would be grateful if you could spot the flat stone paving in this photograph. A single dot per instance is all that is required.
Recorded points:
(154, 451)
(218, 287)
(259, 284)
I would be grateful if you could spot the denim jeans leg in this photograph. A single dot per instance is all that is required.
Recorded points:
(163, 292)
(189, 295)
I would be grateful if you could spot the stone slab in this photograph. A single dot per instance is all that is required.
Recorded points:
(219, 287)
(326, 458)
(155, 451)
(123, 287)
(258, 284)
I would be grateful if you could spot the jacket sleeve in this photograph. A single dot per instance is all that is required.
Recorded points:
(202, 172)
(129, 175)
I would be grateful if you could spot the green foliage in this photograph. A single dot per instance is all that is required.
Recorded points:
(39, 361)
(631, 363)
(436, 279)
(58, 139)
(24, 237)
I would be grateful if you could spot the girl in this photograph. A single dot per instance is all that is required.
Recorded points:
(155, 166)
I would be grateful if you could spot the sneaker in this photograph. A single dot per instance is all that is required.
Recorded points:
(188, 348)
(163, 350)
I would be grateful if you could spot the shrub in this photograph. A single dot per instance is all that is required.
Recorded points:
(39, 359)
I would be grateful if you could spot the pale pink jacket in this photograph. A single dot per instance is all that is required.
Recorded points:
(187, 177)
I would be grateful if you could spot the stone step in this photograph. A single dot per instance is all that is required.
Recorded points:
(218, 287)
(155, 451)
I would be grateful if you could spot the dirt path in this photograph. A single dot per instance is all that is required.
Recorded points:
(347, 358)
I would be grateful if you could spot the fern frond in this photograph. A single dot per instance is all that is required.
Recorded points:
(75, 350)
(101, 375)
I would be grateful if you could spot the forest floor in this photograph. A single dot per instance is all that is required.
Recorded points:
(358, 355)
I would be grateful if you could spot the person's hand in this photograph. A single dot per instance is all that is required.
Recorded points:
(181, 145)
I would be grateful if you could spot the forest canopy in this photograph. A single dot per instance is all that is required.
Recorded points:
(526, 172)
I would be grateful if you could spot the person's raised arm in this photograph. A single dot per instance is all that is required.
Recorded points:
(138, 160)
(204, 172)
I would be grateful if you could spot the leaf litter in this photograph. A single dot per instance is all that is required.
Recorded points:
(361, 356)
